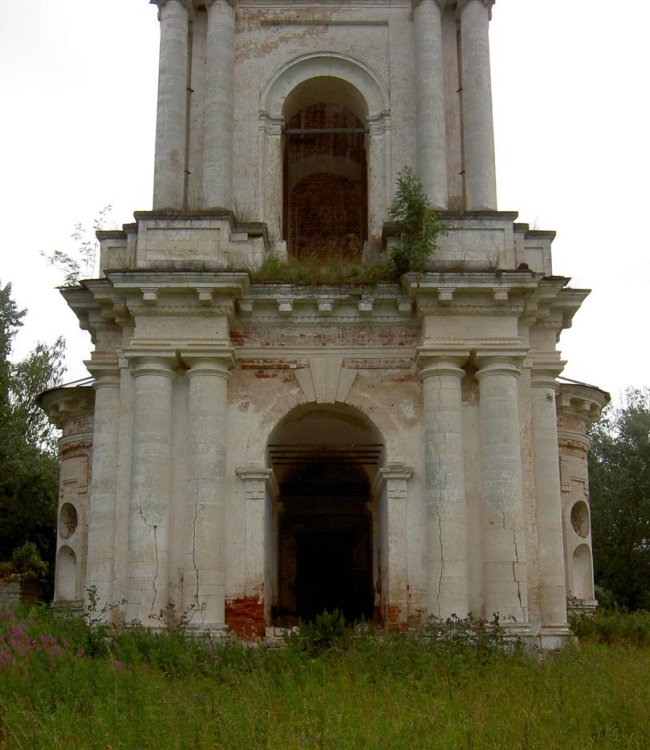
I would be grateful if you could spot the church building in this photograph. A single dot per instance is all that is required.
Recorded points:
(251, 452)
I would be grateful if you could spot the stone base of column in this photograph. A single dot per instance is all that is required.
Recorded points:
(554, 638)
(215, 631)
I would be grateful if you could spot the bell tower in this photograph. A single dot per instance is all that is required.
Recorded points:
(435, 111)
(260, 445)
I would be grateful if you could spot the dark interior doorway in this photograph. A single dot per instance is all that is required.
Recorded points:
(325, 543)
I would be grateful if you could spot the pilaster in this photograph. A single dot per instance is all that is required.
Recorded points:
(391, 486)
(103, 488)
(552, 580)
(260, 488)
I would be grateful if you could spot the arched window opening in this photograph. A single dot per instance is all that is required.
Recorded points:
(325, 182)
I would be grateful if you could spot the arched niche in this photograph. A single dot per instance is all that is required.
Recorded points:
(583, 583)
(66, 575)
(342, 83)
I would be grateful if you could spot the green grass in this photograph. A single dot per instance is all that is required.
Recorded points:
(141, 690)
(322, 271)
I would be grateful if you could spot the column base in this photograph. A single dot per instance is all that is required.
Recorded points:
(552, 638)
(217, 631)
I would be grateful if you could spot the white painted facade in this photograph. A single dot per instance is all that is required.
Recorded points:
(252, 452)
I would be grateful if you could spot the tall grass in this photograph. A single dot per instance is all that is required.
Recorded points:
(144, 690)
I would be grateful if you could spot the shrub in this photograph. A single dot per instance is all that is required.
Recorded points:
(416, 224)
(28, 563)
(328, 630)
(614, 627)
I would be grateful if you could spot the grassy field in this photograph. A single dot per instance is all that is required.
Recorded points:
(65, 686)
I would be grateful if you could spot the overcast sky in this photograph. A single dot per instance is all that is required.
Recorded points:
(570, 80)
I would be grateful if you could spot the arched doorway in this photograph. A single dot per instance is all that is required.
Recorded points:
(325, 459)
(325, 185)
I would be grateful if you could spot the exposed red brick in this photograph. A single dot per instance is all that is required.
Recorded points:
(392, 617)
(245, 618)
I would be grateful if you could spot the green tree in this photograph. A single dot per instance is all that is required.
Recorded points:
(81, 262)
(28, 459)
(416, 224)
(619, 471)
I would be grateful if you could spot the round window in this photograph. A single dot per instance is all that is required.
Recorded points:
(68, 520)
(580, 518)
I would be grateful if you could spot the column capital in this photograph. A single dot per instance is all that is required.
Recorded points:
(187, 4)
(499, 364)
(152, 365)
(545, 378)
(105, 373)
(442, 4)
(106, 379)
(441, 363)
(259, 474)
(209, 3)
(397, 471)
(487, 3)
(215, 362)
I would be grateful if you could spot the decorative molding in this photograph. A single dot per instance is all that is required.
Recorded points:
(326, 381)
(332, 64)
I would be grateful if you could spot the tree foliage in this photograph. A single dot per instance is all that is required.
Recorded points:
(28, 460)
(619, 470)
(416, 223)
(81, 262)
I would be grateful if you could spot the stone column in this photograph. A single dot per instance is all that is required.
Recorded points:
(552, 580)
(391, 484)
(171, 123)
(205, 565)
(218, 116)
(445, 486)
(150, 490)
(430, 101)
(506, 591)
(478, 127)
(103, 489)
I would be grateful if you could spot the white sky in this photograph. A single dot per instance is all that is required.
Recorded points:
(571, 97)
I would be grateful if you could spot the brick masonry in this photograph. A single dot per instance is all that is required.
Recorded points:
(245, 617)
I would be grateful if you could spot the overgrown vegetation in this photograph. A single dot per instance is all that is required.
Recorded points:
(416, 224)
(81, 263)
(615, 627)
(415, 233)
(323, 271)
(619, 479)
(29, 463)
(379, 690)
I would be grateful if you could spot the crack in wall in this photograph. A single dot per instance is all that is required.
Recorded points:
(194, 562)
(157, 571)
(515, 561)
(442, 557)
